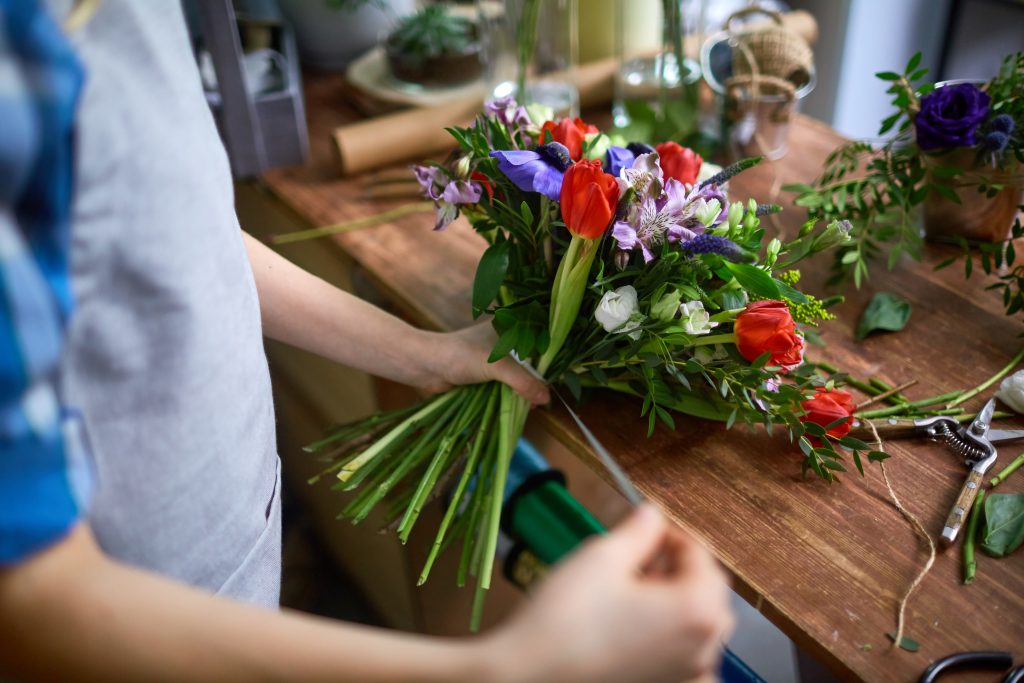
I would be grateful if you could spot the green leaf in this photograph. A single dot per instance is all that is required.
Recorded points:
(506, 342)
(572, 382)
(914, 62)
(888, 75)
(794, 295)
(1004, 523)
(754, 280)
(854, 444)
(908, 644)
(490, 273)
(885, 312)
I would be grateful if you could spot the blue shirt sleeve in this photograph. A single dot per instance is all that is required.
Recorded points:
(41, 474)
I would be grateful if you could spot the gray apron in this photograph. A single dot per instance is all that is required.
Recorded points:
(164, 355)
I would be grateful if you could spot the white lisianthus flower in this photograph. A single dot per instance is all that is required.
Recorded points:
(695, 319)
(617, 311)
(1011, 391)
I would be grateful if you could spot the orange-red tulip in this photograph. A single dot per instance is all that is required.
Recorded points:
(588, 199)
(570, 132)
(767, 326)
(679, 162)
(825, 407)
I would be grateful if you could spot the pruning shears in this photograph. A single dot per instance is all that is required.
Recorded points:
(975, 442)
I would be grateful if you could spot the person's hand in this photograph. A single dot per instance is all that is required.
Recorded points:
(646, 603)
(460, 357)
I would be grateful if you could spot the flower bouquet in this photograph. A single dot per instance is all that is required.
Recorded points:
(608, 266)
(958, 154)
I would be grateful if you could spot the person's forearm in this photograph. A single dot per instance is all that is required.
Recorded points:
(71, 614)
(300, 309)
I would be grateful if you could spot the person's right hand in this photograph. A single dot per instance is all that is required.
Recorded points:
(645, 603)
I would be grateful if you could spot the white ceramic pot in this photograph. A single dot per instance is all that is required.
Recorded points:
(329, 37)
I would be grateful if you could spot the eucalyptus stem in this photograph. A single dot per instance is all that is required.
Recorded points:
(989, 382)
(970, 564)
(906, 407)
(1007, 471)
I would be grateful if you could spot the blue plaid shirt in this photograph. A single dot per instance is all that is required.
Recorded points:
(43, 477)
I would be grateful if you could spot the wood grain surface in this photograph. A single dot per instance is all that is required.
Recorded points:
(827, 564)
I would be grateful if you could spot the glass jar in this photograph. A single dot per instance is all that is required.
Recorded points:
(531, 49)
(656, 90)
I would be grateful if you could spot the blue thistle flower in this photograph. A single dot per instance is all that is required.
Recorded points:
(1003, 123)
(713, 244)
(995, 141)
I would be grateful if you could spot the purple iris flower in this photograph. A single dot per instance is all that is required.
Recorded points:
(616, 159)
(541, 171)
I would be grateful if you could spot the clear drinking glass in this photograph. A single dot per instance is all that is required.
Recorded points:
(531, 49)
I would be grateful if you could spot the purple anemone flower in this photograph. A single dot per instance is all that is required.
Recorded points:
(539, 171)
(616, 159)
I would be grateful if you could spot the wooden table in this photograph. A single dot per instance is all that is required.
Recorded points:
(827, 564)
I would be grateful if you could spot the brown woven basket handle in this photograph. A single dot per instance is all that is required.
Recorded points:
(748, 11)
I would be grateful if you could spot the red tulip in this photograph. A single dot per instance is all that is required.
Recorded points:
(588, 199)
(679, 162)
(569, 132)
(767, 326)
(825, 407)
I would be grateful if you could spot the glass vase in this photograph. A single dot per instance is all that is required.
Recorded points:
(531, 49)
(657, 84)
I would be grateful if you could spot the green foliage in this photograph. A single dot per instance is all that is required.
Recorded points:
(1004, 523)
(999, 259)
(879, 188)
(886, 311)
(431, 32)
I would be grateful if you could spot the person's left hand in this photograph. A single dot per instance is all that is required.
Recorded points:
(460, 357)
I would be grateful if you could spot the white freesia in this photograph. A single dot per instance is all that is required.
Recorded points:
(1011, 391)
(707, 211)
(617, 311)
(696, 319)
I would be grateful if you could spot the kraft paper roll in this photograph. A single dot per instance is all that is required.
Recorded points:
(419, 133)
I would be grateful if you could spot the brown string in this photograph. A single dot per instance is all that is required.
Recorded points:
(918, 527)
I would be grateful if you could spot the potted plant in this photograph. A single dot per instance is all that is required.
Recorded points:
(332, 33)
(957, 160)
(434, 47)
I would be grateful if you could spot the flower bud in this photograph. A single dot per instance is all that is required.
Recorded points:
(665, 308)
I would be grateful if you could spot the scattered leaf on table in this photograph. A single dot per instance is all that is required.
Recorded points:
(908, 644)
(885, 312)
(1004, 523)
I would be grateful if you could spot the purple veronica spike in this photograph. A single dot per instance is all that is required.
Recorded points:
(530, 172)
(616, 159)
(713, 244)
